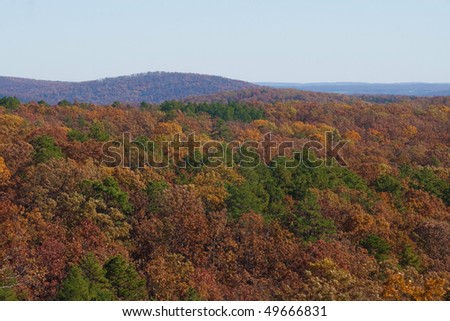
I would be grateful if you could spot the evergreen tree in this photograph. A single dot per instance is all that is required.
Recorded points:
(310, 224)
(99, 286)
(64, 103)
(98, 131)
(109, 191)
(75, 286)
(376, 246)
(45, 149)
(86, 282)
(127, 283)
(11, 103)
(409, 258)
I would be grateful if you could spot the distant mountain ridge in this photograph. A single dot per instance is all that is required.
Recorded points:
(360, 88)
(155, 87)
(149, 87)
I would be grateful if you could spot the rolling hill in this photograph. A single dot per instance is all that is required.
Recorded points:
(149, 87)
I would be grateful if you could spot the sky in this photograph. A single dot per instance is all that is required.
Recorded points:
(254, 40)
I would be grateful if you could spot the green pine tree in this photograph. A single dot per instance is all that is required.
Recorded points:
(310, 224)
(99, 286)
(75, 286)
(126, 282)
(45, 149)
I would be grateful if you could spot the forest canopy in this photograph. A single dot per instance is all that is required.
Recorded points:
(377, 229)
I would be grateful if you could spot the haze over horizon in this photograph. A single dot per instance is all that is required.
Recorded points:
(282, 84)
(256, 41)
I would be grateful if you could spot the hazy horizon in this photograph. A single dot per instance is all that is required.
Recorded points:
(257, 41)
(261, 83)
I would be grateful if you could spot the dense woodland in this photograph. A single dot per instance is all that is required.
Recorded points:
(379, 229)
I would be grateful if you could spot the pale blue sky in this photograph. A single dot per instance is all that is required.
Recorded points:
(253, 40)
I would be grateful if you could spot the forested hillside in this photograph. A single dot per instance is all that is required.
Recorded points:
(150, 87)
(377, 229)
